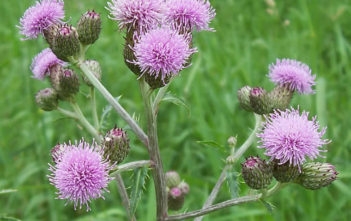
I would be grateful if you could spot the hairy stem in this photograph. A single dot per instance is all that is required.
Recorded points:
(154, 153)
(93, 108)
(114, 103)
(236, 155)
(124, 196)
(130, 166)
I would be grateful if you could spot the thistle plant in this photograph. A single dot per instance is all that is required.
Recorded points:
(158, 46)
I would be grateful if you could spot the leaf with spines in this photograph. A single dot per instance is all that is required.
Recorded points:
(232, 182)
(140, 176)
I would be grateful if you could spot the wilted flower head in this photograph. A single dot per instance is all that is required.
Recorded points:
(137, 14)
(294, 74)
(80, 173)
(42, 63)
(39, 17)
(162, 52)
(189, 14)
(290, 137)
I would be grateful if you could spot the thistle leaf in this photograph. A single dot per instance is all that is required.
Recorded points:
(140, 176)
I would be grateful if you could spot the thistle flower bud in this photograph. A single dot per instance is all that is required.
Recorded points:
(47, 99)
(94, 66)
(259, 101)
(244, 98)
(116, 145)
(184, 187)
(175, 198)
(89, 27)
(257, 173)
(64, 81)
(286, 172)
(172, 179)
(57, 152)
(280, 97)
(316, 175)
(63, 41)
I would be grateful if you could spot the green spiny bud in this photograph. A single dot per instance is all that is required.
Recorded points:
(172, 179)
(259, 101)
(316, 175)
(286, 172)
(175, 198)
(64, 42)
(94, 66)
(280, 97)
(257, 173)
(64, 81)
(244, 98)
(89, 27)
(47, 99)
(116, 145)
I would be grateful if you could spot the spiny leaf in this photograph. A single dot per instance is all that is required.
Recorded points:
(175, 100)
(139, 179)
(269, 206)
(232, 182)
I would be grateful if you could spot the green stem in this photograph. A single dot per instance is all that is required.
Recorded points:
(130, 166)
(110, 99)
(228, 203)
(154, 153)
(81, 118)
(236, 155)
(93, 108)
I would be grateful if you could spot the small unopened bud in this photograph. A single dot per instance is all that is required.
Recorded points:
(286, 172)
(184, 187)
(47, 99)
(94, 66)
(116, 145)
(280, 97)
(316, 175)
(64, 42)
(257, 173)
(259, 101)
(89, 27)
(172, 179)
(244, 98)
(57, 152)
(64, 81)
(175, 198)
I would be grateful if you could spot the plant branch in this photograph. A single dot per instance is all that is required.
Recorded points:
(115, 104)
(235, 156)
(130, 166)
(124, 196)
(93, 108)
(154, 152)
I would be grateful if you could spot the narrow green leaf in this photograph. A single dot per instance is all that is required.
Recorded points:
(269, 206)
(212, 143)
(139, 179)
(232, 182)
(7, 191)
(175, 100)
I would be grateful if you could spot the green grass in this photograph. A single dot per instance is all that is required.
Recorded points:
(246, 41)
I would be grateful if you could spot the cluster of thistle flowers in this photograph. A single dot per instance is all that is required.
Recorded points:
(158, 46)
(177, 189)
(287, 136)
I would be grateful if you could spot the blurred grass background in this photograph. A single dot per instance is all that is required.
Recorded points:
(249, 36)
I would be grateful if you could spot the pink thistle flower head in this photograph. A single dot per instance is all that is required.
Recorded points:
(140, 15)
(290, 137)
(294, 74)
(189, 14)
(39, 17)
(162, 52)
(42, 63)
(80, 173)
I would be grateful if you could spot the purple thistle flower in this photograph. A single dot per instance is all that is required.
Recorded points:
(140, 15)
(295, 74)
(42, 63)
(80, 173)
(162, 51)
(290, 137)
(189, 14)
(39, 17)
